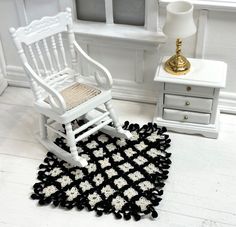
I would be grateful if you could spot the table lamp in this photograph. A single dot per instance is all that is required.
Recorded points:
(179, 24)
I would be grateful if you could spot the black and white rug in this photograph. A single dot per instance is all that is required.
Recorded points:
(124, 177)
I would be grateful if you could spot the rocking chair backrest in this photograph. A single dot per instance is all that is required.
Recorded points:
(41, 41)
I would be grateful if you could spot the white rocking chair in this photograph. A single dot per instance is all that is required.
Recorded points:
(60, 96)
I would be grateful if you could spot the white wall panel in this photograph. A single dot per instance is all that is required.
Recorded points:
(221, 43)
(9, 18)
(121, 62)
(122, 57)
(36, 9)
(151, 60)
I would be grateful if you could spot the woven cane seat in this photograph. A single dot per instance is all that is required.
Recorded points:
(77, 94)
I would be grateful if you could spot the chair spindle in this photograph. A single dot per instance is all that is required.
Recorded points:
(62, 49)
(48, 56)
(46, 73)
(56, 56)
(31, 52)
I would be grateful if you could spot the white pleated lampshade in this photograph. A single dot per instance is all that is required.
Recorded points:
(179, 20)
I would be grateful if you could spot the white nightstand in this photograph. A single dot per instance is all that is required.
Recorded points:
(189, 103)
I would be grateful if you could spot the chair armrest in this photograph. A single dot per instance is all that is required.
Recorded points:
(56, 100)
(100, 69)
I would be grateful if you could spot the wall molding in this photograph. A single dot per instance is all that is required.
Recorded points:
(109, 11)
(21, 12)
(201, 34)
(128, 36)
(15, 75)
(151, 15)
(3, 84)
(3, 81)
(126, 90)
(227, 102)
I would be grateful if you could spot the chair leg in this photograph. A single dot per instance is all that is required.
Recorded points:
(116, 122)
(72, 144)
(42, 127)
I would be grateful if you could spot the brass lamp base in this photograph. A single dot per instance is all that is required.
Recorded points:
(177, 64)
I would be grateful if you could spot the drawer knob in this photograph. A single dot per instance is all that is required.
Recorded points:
(187, 103)
(185, 117)
(188, 88)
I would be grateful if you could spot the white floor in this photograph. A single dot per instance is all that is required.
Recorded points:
(200, 190)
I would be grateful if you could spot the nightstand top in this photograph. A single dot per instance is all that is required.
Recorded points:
(203, 72)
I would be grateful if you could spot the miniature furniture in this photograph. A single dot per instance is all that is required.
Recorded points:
(58, 88)
(189, 103)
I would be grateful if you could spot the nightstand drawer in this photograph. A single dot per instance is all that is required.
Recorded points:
(186, 116)
(188, 103)
(188, 89)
